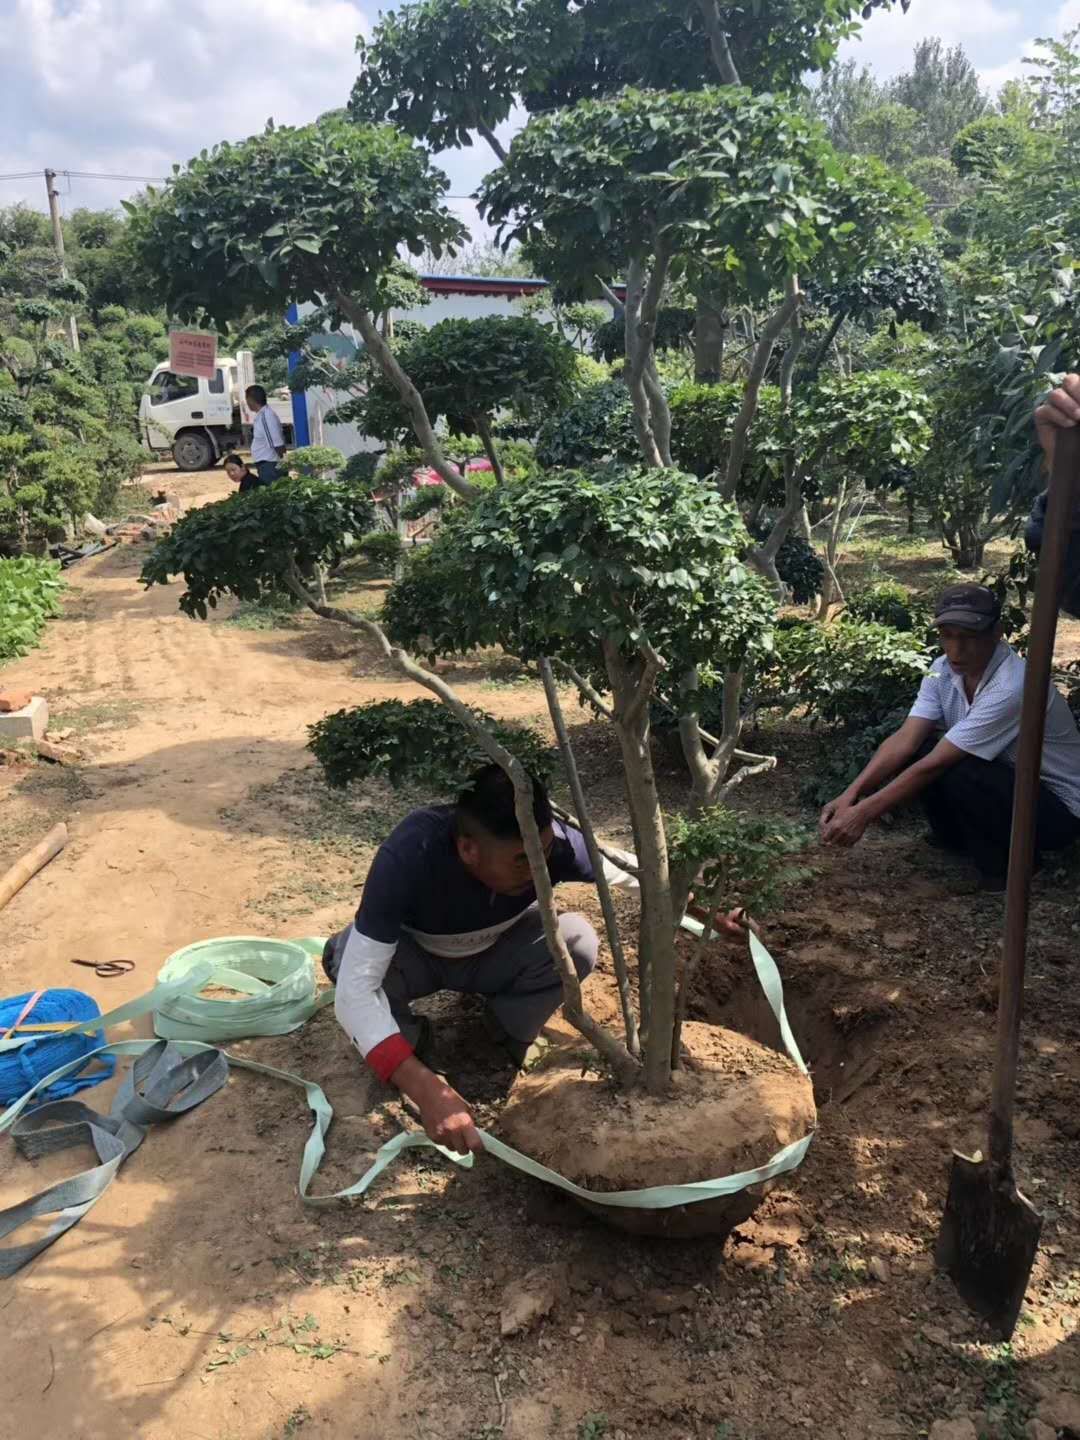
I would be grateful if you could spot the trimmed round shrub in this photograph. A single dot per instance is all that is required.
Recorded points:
(419, 741)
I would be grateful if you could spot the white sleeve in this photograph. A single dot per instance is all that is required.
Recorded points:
(360, 1002)
(274, 433)
(622, 879)
(928, 701)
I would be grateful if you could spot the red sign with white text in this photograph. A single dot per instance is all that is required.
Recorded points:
(193, 352)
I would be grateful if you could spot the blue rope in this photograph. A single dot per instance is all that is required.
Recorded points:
(22, 1069)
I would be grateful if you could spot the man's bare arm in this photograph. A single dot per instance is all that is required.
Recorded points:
(847, 827)
(447, 1118)
(890, 756)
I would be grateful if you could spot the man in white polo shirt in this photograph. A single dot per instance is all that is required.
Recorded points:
(957, 748)
(267, 436)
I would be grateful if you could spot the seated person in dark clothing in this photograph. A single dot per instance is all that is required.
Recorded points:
(241, 474)
(957, 748)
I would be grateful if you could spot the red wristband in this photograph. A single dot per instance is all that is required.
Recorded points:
(385, 1057)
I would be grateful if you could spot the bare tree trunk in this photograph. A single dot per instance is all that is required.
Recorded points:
(718, 42)
(830, 587)
(762, 355)
(710, 326)
(632, 694)
(387, 362)
(635, 379)
(823, 348)
(596, 859)
(483, 429)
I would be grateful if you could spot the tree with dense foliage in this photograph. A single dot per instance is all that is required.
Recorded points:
(635, 579)
(63, 448)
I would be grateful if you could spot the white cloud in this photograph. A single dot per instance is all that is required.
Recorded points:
(133, 86)
(888, 39)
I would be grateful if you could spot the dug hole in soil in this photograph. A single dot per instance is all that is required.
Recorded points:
(735, 1103)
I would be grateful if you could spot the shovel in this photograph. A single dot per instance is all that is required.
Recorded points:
(990, 1232)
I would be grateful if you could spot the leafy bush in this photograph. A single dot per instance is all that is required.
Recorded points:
(315, 462)
(674, 331)
(383, 548)
(741, 858)
(798, 564)
(849, 672)
(598, 425)
(427, 499)
(887, 603)
(360, 469)
(417, 740)
(466, 370)
(247, 544)
(702, 418)
(29, 593)
(571, 559)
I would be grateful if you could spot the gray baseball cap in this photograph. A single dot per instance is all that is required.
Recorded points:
(968, 607)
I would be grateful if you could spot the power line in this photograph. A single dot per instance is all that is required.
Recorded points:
(161, 179)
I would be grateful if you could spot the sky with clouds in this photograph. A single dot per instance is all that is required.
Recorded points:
(130, 86)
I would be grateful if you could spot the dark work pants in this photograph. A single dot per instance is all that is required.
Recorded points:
(516, 975)
(970, 809)
(268, 470)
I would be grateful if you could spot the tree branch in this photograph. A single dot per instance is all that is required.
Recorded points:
(762, 355)
(483, 429)
(763, 766)
(603, 889)
(612, 299)
(493, 140)
(625, 1067)
(718, 42)
(689, 970)
(587, 691)
(635, 286)
(387, 362)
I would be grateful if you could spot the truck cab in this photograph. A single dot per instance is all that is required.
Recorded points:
(197, 419)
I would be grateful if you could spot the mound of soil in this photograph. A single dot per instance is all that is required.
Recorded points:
(734, 1105)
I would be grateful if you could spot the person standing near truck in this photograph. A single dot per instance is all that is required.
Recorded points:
(267, 436)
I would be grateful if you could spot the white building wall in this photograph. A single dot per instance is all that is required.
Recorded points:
(349, 439)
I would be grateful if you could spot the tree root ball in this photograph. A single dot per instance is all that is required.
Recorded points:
(731, 1108)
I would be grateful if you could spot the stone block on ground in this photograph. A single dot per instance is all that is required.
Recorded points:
(27, 723)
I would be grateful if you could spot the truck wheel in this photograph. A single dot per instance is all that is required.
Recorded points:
(193, 451)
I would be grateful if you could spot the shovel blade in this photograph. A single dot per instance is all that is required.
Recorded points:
(988, 1239)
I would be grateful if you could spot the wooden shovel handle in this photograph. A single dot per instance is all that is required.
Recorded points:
(1063, 490)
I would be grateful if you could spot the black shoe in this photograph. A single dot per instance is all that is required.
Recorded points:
(938, 842)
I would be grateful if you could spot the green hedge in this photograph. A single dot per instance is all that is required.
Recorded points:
(418, 741)
(29, 594)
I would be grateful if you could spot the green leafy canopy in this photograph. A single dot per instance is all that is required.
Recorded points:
(418, 741)
(741, 184)
(560, 562)
(243, 546)
(466, 370)
(292, 214)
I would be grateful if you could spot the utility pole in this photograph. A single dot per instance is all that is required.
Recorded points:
(58, 242)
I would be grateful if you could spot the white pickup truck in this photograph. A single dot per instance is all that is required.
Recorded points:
(200, 420)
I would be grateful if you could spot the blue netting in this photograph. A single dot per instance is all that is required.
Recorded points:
(21, 1069)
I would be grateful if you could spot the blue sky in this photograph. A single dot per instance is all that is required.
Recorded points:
(130, 86)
